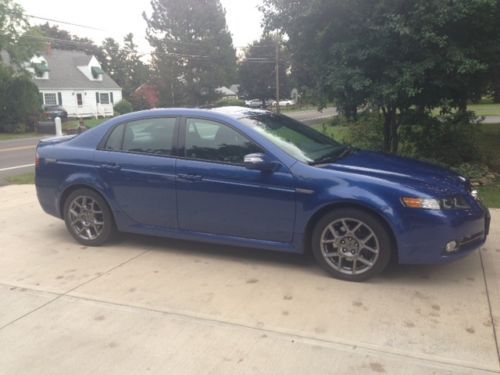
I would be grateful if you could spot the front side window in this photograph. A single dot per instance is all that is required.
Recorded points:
(295, 138)
(149, 136)
(208, 140)
(50, 99)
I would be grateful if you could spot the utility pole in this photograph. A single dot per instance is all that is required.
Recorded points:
(277, 68)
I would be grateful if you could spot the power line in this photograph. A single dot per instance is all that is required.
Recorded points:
(65, 22)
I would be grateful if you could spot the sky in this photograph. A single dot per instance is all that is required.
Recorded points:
(116, 18)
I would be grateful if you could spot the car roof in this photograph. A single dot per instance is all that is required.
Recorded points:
(231, 112)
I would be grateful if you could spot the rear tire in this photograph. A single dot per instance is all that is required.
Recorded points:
(88, 217)
(351, 244)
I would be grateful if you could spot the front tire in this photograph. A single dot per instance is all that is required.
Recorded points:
(88, 217)
(351, 244)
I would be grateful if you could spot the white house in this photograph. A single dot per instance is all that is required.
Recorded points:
(226, 93)
(74, 81)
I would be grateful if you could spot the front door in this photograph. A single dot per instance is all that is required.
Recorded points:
(217, 194)
(137, 166)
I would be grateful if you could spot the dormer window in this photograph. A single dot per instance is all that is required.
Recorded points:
(96, 72)
(40, 69)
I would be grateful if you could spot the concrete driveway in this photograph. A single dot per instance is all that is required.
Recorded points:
(158, 306)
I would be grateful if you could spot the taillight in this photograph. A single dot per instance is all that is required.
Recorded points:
(37, 160)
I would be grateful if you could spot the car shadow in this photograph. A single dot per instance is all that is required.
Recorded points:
(441, 273)
(394, 271)
(216, 251)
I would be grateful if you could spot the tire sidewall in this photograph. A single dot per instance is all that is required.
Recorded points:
(108, 229)
(378, 228)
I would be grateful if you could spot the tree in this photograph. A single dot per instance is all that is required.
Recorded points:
(396, 55)
(193, 50)
(61, 39)
(257, 71)
(124, 64)
(15, 35)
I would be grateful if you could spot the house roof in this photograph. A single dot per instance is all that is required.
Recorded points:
(225, 91)
(64, 72)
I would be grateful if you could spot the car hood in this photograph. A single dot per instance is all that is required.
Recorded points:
(410, 172)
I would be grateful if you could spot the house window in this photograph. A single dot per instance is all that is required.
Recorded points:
(59, 98)
(50, 99)
(104, 98)
(40, 69)
(79, 100)
(96, 72)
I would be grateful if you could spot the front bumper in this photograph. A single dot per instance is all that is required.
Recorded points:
(424, 239)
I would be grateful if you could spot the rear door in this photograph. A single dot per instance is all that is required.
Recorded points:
(138, 166)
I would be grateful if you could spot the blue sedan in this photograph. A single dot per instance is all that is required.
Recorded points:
(245, 177)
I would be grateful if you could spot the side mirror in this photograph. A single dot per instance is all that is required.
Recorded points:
(260, 162)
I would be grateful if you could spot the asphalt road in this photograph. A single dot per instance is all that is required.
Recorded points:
(17, 156)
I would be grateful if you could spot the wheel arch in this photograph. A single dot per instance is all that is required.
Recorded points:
(313, 220)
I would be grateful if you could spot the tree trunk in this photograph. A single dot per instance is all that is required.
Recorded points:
(391, 125)
(496, 85)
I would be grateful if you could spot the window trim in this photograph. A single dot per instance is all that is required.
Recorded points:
(45, 98)
(182, 141)
(175, 137)
(106, 95)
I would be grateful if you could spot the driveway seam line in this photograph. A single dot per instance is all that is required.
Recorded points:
(58, 296)
(340, 343)
(493, 326)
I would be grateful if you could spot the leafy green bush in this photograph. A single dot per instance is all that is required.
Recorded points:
(19, 102)
(123, 106)
(229, 103)
(366, 133)
(448, 139)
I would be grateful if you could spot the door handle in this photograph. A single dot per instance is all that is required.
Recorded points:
(190, 177)
(111, 166)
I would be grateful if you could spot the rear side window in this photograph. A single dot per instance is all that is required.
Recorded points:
(150, 136)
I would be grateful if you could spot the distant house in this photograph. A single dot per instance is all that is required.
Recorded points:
(74, 81)
(226, 93)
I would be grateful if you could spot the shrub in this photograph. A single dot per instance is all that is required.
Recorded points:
(366, 133)
(19, 101)
(122, 107)
(229, 103)
(448, 139)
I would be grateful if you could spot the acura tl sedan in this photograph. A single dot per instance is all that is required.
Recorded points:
(245, 177)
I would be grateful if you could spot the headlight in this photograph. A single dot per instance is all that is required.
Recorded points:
(452, 203)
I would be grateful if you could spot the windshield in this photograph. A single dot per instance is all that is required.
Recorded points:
(296, 139)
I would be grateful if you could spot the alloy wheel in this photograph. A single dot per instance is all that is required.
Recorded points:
(349, 246)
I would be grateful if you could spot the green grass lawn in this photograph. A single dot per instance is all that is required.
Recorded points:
(9, 136)
(22, 179)
(91, 123)
(485, 109)
(490, 194)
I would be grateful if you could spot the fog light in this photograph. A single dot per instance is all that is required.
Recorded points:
(451, 246)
